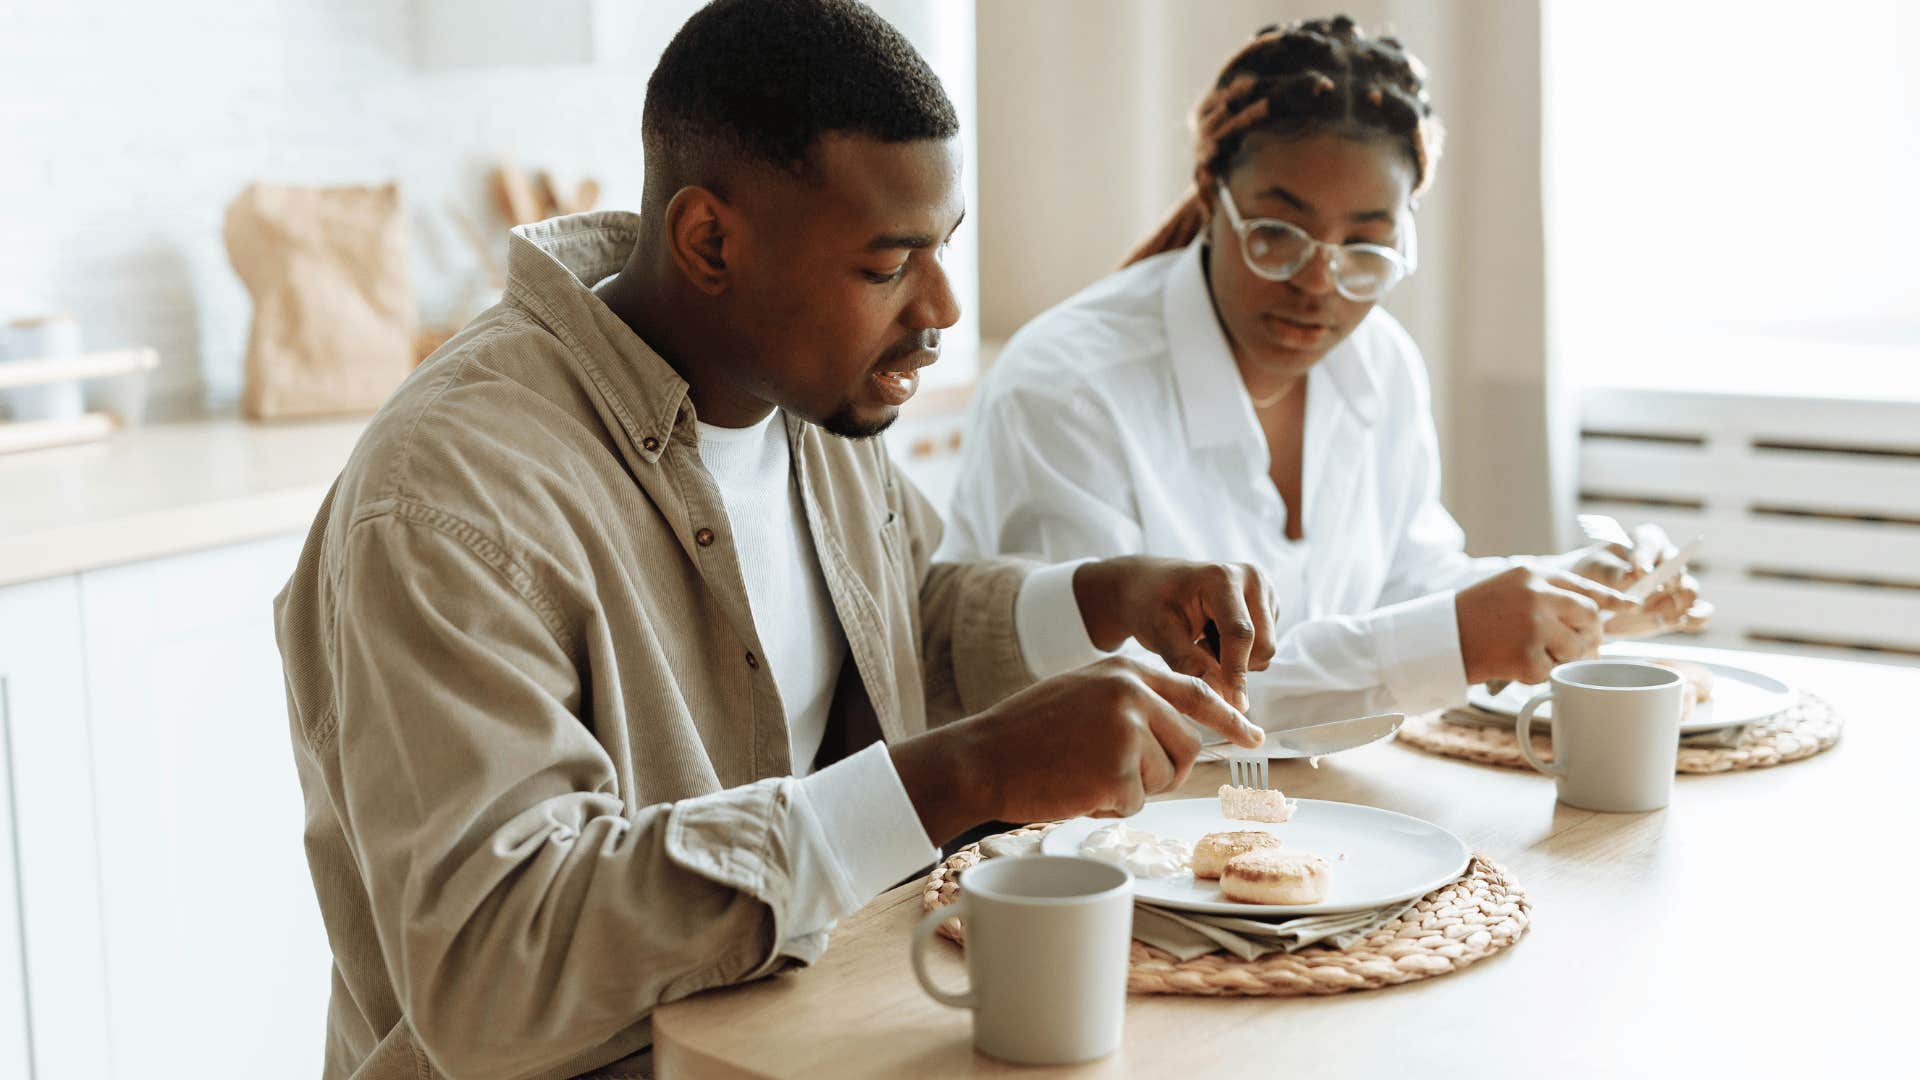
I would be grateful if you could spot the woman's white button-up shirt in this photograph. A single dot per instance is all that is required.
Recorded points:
(1116, 423)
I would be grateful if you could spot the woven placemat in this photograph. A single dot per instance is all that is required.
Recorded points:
(1446, 930)
(1808, 727)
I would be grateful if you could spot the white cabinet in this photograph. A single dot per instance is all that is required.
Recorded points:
(53, 1006)
(217, 963)
(156, 916)
(15, 1049)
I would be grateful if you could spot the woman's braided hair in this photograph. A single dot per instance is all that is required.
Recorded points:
(1310, 77)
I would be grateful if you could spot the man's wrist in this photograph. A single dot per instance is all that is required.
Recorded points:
(1469, 653)
(938, 772)
(1052, 628)
(1097, 588)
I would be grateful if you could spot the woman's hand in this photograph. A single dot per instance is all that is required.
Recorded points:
(1519, 624)
(1677, 607)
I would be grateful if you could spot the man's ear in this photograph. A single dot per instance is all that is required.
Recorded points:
(700, 229)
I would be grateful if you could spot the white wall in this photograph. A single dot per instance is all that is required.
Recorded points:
(943, 31)
(127, 125)
(1511, 461)
(1745, 221)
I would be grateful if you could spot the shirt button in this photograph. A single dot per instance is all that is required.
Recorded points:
(704, 537)
(649, 444)
(753, 661)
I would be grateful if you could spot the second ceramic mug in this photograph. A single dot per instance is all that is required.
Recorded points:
(1616, 734)
(1047, 942)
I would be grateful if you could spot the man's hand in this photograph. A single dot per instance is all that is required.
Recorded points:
(1096, 741)
(1183, 611)
(1618, 566)
(1519, 624)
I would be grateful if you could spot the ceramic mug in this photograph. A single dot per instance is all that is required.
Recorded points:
(1047, 944)
(38, 338)
(1615, 730)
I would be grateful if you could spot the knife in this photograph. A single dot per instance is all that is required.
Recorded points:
(1316, 740)
(1664, 574)
(1331, 737)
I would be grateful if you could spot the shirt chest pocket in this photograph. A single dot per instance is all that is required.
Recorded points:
(893, 535)
(877, 550)
(899, 574)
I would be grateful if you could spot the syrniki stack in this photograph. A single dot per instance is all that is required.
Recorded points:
(1210, 855)
(1699, 677)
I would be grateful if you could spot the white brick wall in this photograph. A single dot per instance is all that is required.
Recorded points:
(127, 125)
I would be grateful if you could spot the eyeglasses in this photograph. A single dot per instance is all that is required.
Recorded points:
(1277, 250)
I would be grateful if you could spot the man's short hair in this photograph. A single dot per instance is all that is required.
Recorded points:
(763, 80)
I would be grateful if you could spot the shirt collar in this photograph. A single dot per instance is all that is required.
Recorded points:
(1213, 401)
(552, 267)
(1350, 372)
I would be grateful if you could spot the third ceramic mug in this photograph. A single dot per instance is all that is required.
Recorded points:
(1616, 734)
(1047, 941)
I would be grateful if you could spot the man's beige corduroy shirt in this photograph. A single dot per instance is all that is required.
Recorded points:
(545, 771)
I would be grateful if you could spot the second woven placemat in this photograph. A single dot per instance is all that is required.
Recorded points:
(1801, 731)
(1447, 929)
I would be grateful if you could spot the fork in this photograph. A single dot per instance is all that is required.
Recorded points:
(1244, 769)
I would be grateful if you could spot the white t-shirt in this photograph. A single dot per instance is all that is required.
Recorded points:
(857, 832)
(1116, 423)
(792, 611)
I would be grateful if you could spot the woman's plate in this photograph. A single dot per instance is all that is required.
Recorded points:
(1740, 696)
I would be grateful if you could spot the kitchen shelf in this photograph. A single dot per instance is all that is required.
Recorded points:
(92, 365)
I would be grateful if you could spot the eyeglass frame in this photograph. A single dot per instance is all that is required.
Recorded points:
(1407, 261)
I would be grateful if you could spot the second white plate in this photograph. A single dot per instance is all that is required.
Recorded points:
(1740, 696)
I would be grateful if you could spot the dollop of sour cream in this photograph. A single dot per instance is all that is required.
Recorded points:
(1147, 855)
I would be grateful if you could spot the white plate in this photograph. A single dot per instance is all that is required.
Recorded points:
(1389, 857)
(1739, 697)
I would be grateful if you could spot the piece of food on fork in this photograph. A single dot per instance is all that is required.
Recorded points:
(1253, 804)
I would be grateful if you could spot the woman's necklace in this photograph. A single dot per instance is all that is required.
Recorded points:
(1269, 402)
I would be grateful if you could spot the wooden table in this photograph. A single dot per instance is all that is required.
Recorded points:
(1754, 927)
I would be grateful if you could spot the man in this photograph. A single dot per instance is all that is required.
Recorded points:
(617, 661)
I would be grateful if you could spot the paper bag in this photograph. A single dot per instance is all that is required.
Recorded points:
(333, 305)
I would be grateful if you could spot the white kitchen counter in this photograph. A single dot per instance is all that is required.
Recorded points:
(164, 489)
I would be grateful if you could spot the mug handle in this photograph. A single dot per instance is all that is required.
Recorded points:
(922, 934)
(1523, 730)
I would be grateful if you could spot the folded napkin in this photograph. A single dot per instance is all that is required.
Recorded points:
(1726, 736)
(1187, 934)
(1474, 716)
(1477, 717)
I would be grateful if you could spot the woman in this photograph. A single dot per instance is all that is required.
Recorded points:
(1233, 392)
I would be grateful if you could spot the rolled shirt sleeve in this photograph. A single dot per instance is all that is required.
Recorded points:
(854, 834)
(1053, 634)
(1418, 643)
